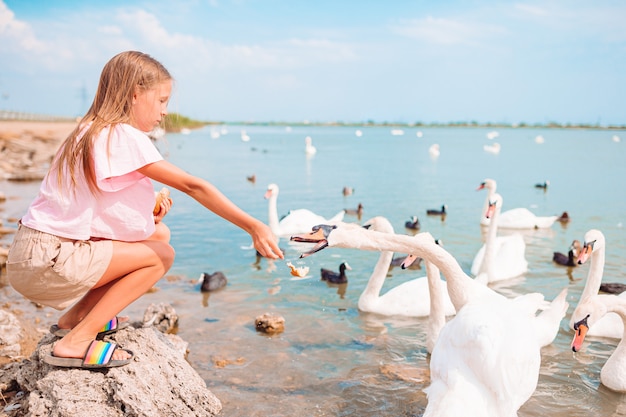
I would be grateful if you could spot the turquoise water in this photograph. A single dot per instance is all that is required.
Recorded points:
(333, 360)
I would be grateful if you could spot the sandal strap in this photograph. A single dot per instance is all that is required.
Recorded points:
(111, 325)
(99, 353)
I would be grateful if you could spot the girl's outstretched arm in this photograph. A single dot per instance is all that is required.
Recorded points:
(210, 197)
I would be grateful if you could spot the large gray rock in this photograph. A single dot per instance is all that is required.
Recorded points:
(159, 382)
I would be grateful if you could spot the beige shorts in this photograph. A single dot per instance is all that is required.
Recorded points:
(55, 271)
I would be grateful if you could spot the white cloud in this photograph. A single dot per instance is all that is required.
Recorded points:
(17, 36)
(445, 31)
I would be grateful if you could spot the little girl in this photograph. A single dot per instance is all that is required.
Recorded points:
(90, 238)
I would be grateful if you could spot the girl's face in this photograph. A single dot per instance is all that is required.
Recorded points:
(150, 106)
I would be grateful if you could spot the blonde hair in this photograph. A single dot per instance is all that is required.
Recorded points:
(124, 75)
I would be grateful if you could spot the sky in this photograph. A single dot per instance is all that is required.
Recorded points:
(385, 61)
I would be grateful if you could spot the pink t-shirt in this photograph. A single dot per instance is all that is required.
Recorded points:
(123, 208)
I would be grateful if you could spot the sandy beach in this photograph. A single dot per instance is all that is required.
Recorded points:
(13, 129)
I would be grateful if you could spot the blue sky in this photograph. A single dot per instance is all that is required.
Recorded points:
(544, 61)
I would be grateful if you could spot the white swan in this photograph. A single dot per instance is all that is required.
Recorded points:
(610, 324)
(517, 218)
(494, 149)
(411, 298)
(308, 146)
(434, 150)
(296, 221)
(613, 373)
(480, 366)
(501, 257)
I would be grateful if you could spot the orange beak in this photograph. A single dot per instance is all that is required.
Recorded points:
(585, 253)
(408, 261)
(581, 328)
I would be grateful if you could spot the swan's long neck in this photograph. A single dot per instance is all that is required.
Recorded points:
(461, 287)
(437, 317)
(377, 279)
(594, 276)
(490, 245)
(272, 214)
(613, 373)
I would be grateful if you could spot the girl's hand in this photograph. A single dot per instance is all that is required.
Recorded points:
(265, 242)
(162, 206)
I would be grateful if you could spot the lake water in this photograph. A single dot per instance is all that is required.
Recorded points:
(333, 360)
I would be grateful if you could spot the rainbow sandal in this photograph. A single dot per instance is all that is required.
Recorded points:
(111, 327)
(98, 355)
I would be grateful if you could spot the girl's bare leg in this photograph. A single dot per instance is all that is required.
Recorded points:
(134, 269)
(79, 310)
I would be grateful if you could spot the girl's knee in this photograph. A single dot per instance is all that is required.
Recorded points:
(161, 233)
(167, 255)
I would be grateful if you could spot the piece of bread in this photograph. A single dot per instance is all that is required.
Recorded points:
(159, 196)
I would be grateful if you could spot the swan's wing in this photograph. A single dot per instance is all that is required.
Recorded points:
(517, 218)
(337, 217)
(549, 321)
(510, 257)
(299, 221)
(483, 341)
(522, 218)
(478, 260)
(412, 298)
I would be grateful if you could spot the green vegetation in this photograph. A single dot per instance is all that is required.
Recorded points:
(174, 122)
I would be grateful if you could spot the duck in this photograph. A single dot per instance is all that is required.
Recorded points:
(212, 282)
(355, 212)
(610, 325)
(590, 310)
(612, 288)
(410, 298)
(296, 221)
(501, 257)
(347, 191)
(336, 277)
(486, 325)
(437, 212)
(564, 218)
(543, 185)
(571, 258)
(413, 223)
(309, 149)
(251, 178)
(517, 218)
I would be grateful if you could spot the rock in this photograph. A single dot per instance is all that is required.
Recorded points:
(162, 316)
(269, 323)
(159, 382)
(10, 335)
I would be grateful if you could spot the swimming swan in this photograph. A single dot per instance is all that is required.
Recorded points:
(411, 298)
(501, 257)
(517, 218)
(586, 315)
(296, 221)
(610, 324)
(480, 366)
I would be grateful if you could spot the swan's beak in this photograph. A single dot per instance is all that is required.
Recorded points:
(581, 329)
(585, 253)
(481, 186)
(408, 261)
(267, 194)
(491, 209)
(319, 236)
